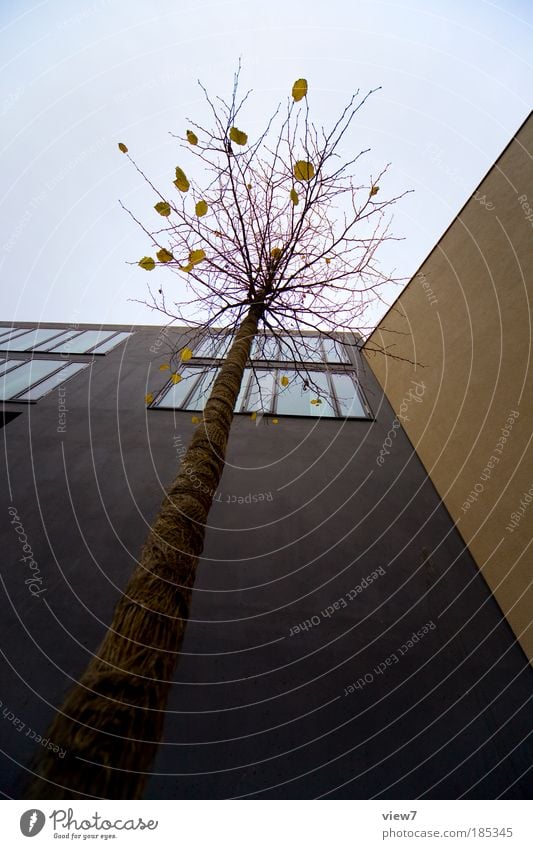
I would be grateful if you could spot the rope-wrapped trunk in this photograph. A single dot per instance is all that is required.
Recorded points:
(111, 722)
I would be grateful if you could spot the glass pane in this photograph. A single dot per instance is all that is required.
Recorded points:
(304, 349)
(208, 347)
(52, 344)
(111, 343)
(348, 397)
(202, 390)
(265, 348)
(261, 392)
(81, 344)
(10, 332)
(22, 377)
(334, 351)
(287, 348)
(309, 349)
(177, 392)
(226, 341)
(56, 380)
(29, 339)
(294, 400)
(9, 364)
(244, 386)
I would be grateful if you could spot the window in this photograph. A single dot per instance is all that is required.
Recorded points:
(309, 349)
(301, 399)
(201, 390)
(28, 340)
(55, 342)
(111, 342)
(350, 401)
(28, 381)
(174, 394)
(88, 341)
(334, 351)
(51, 382)
(209, 347)
(10, 333)
(324, 394)
(305, 349)
(9, 364)
(191, 393)
(60, 341)
(257, 392)
(265, 348)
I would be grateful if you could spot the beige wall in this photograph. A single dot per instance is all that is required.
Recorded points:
(464, 325)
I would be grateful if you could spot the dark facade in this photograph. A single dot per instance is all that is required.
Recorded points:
(342, 642)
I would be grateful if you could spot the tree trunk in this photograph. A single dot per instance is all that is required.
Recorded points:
(111, 722)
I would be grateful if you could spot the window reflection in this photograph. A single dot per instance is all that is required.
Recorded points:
(297, 400)
(310, 391)
(347, 396)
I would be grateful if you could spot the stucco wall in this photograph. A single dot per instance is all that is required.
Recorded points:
(464, 325)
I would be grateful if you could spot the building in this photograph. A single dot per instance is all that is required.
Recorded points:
(344, 641)
(464, 323)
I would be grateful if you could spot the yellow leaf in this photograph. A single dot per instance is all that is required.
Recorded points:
(164, 256)
(148, 398)
(162, 207)
(373, 191)
(238, 136)
(122, 147)
(196, 256)
(192, 138)
(316, 401)
(294, 196)
(181, 182)
(303, 170)
(147, 263)
(187, 268)
(195, 420)
(164, 367)
(186, 354)
(253, 416)
(275, 252)
(284, 380)
(200, 208)
(275, 421)
(299, 89)
(175, 378)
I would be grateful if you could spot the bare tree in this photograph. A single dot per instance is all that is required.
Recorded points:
(280, 237)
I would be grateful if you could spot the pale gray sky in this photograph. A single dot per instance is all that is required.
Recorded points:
(78, 77)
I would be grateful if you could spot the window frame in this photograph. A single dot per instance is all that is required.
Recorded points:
(48, 347)
(319, 345)
(277, 372)
(16, 399)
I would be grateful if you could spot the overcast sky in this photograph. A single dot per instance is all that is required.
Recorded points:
(78, 77)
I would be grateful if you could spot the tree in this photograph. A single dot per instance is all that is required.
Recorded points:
(280, 236)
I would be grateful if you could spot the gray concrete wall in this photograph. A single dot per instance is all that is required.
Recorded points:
(260, 709)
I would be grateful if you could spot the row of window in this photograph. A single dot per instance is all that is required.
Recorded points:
(29, 381)
(59, 341)
(312, 349)
(324, 393)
